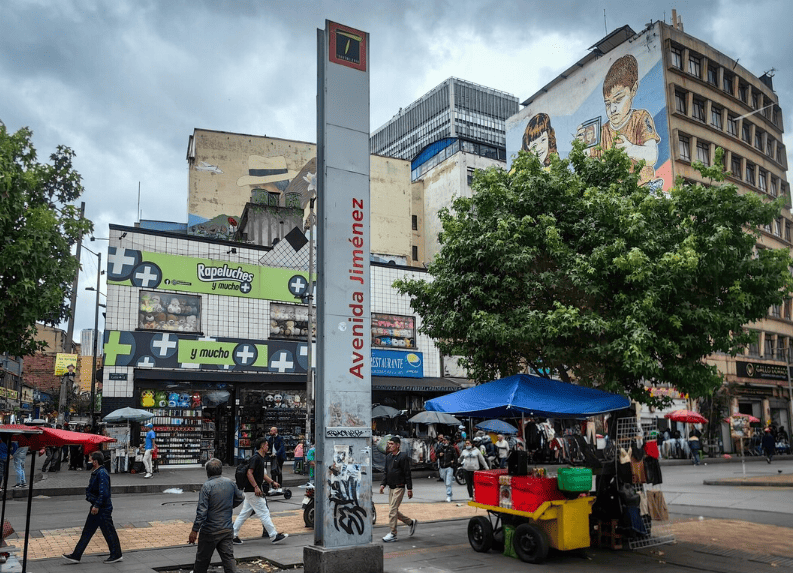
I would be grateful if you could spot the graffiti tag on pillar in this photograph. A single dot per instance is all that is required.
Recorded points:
(348, 432)
(344, 481)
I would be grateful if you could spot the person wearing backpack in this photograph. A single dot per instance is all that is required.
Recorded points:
(254, 496)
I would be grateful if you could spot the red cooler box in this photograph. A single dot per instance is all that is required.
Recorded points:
(486, 488)
(529, 493)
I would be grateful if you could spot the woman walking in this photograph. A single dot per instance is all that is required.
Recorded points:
(472, 460)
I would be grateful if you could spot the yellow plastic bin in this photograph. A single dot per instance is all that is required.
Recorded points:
(566, 523)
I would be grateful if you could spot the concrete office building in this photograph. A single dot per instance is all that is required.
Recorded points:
(686, 99)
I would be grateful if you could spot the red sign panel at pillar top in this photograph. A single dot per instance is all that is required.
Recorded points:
(347, 47)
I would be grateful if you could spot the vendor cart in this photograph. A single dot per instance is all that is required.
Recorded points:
(561, 524)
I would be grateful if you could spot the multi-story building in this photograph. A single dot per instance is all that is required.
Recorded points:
(454, 112)
(677, 99)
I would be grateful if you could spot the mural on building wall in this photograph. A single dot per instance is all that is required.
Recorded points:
(270, 182)
(146, 349)
(130, 267)
(616, 100)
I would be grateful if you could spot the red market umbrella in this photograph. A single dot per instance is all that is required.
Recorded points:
(53, 437)
(752, 419)
(687, 416)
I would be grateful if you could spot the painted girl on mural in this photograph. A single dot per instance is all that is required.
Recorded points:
(540, 138)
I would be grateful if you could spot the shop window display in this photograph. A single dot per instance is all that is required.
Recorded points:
(393, 331)
(260, 410)
(166, 311)
(289, 322)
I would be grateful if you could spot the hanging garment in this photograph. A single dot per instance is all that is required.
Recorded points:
(657, 505)
(638, 474)
(651, 448)
(652, 468)
(644, 507)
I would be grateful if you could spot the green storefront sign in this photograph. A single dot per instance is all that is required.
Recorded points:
(211, 352)
(194, 275)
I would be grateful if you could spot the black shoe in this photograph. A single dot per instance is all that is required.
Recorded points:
(112, 559)
(280, 537)
(70, 558)
(237, 541)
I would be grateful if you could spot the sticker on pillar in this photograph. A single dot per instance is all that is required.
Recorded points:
(282, 361)
(298, 286)
(121, 263)
(245, 354)
(340, 418)
(164, 345)
(119, 348)
(146, 275)
(344, 491)
(146, 362)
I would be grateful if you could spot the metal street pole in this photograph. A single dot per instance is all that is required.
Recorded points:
(96, 335)
(789, 390)
(310, 326)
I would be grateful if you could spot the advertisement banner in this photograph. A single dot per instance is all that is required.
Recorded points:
(187, 274)
(396, 363)
(760, 371)
(62, 362)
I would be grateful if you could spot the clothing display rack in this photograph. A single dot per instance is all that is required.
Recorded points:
(632, 432)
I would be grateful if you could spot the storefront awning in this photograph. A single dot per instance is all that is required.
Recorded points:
(392, 384)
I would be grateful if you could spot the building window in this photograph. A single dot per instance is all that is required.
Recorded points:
(778, 227)
(684, 148)
(758, 139)
(415, 253)
(743, 92)
(769, 146)
(755, 101)
(746, 131)
(715, 117)
(780, 347)
(677, 58)
(680, 102)
(713, 75)
(698, 110)
(750, 174)
(787, 231)
(293, 200)
(769, 343)
(470, 176)
(703, 152)
(414, 222)
(732, 125)
(393, 330)
(165, 311)
(726, 83)
(774, 188)
(762, 181)
(779, 153)
(776, 312)
(695, 66)
(754, 347)
(735, 167)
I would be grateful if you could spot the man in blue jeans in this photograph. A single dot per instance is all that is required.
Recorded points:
(101, 515)
(447, 458)
(19, 466)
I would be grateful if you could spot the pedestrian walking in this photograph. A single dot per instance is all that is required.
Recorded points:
(100, 516)
(447, 459)
(277, 454)
(769, 444)
(19, 465)
(397, 477)
(472, 460)
(151, 443)
(437, 447)
(216, 500)
(694, 445)
(502, 449)
(4, 460)
(254, 496)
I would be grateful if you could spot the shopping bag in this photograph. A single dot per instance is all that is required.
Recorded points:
(8, 529)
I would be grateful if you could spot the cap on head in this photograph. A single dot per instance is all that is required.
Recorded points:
(395, 439)
(149, 425)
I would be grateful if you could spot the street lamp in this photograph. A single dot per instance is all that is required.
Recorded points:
(96, 333)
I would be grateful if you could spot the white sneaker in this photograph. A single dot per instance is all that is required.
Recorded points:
(448, 499)
(389, 538)
(147, 476)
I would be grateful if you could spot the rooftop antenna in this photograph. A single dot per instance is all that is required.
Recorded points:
(604, 22)
(139, 214)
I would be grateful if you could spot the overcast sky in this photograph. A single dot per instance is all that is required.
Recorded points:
(125, 82)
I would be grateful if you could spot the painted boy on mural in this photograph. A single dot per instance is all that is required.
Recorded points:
(630, 129)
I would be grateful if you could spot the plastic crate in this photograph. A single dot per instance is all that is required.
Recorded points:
(574, 479)
(529, 493)
(486, 487)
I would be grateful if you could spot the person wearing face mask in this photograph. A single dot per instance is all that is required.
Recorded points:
(471, 459)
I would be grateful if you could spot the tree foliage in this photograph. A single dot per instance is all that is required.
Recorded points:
(38, 227)
(578, 270)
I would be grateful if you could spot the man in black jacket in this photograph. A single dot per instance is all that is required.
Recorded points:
(397, 477)
(447, 458)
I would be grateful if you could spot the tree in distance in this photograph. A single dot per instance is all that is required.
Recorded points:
(38, 227)
(576, 270)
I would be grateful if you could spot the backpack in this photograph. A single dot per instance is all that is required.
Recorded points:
(241, 474)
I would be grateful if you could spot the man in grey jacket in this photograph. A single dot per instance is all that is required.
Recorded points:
(217, 498)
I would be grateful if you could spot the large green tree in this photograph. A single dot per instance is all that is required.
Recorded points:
(38, 227)
(578, 271)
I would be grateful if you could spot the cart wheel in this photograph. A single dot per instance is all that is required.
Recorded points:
(308, 514)
(374, 514)
(287, 493)
(530, 543)
(480, 534)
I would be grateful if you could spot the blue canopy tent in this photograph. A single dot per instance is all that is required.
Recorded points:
(527, 395)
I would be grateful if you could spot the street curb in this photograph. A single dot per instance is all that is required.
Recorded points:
(746, 483)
